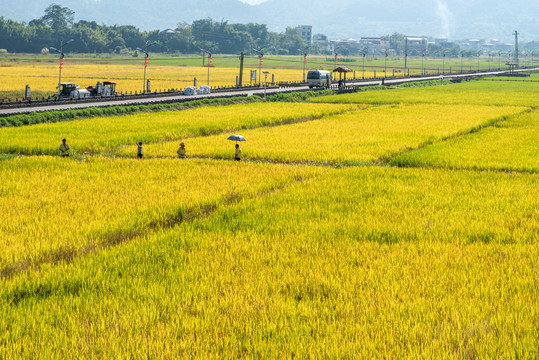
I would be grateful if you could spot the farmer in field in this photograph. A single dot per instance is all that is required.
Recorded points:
(64, 148)
(237, 154)
(181, 151)
(139, 149)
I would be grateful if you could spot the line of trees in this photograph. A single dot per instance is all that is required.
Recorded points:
(57, 24)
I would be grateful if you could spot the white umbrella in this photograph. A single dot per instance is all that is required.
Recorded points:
(236, 138)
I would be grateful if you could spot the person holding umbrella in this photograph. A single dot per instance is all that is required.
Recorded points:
(236, 138)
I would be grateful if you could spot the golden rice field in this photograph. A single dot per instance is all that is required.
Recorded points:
(106, 133)
(43, 78)
(364, 135)
(41, 72)
(388, 264)
(478, 92)
(399, 229)
(78, 205)
(508, 145)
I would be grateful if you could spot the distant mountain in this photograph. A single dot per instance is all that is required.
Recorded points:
(456, 19)
(144, 14)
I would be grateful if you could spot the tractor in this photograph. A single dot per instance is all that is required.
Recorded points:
(105, 88)
(70, 90)
(73, 91)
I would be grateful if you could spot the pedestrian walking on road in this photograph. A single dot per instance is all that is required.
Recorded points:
(237, 154)
(139, 149)
(181, 151)
(64, 148)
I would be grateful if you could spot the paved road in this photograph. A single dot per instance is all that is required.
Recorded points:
(249, 92)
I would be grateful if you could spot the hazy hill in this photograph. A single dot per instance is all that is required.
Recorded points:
(345, 18)
(451, 18)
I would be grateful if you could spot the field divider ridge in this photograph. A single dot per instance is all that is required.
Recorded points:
(388, 159)
(104, 239)
(113, 152)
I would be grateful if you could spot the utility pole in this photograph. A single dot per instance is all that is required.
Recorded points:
(443, 63)
(478, 56)
(304, 61)
(204, 52)
(385, 64)
(145, 51)
(516, 48)
(61, 52)
(260, 53)
(265, 82)
(364, 52)
(204, 44)
(241, 69)
(261, 57)
(405, 52)
(336, 59)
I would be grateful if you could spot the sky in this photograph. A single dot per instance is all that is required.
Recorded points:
(253, 2)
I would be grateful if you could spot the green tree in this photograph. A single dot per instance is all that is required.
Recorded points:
(182, 39)
(132, 36)
(58, 18)
(396, 42)
(291, 42)
(88, 37)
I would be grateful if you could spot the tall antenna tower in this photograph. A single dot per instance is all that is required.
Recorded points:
(516, 48)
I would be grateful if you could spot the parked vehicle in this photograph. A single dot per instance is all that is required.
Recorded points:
(319, 78)
(73, 91)
(105, 88)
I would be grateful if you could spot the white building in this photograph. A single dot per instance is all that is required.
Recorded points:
(351, 44)
(321, 40)
(441, 42)
(374, 44)
(306, 32)
(418, 43)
